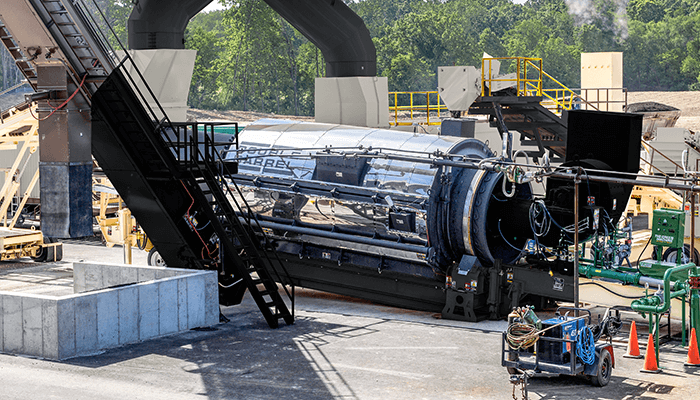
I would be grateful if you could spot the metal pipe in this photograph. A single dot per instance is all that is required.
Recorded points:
(345, 237)
(641, 305)
(576, 250)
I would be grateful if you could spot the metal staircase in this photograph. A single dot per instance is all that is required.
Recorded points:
(178, 192)
(182, 198)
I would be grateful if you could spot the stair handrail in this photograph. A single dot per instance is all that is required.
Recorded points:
(648, 146)
(216, 159)
(530, 86)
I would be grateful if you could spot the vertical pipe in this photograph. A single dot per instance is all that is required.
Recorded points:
(683, 328)
(576, 190)
(692, 224)
(656, 339)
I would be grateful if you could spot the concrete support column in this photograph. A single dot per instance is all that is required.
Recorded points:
(65, 160)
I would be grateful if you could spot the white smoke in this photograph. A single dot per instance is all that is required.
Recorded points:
(584, 12)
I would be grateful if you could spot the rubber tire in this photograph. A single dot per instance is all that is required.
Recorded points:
(41, 255)
(604, 373)
(154, 259)
(670, 254)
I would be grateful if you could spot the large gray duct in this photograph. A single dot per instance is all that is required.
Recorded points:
(160, 24)
(331, 25)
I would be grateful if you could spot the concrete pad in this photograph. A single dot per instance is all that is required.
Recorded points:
(32, 326)
(146, 274)
(211, 301)
(93, 279)
(168, 306)
(49, 311)
(183, 323)
(195, 304)
(108, 319)
(79, 278)
(112, 276)
(128, 315)
(12, 324)
(70, 324)
(129, 275)
(148, 311)
(66, 327)
(86, 324)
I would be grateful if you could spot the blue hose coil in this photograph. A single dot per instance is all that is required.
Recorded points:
(585, 346)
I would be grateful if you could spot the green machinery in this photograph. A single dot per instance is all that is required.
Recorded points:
(674, 280)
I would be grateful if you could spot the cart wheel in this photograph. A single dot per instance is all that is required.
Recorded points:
(670, 255)
(154, 259)
(602, 377)
(41, 254)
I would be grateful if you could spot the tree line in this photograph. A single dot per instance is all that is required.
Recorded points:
(249, 58)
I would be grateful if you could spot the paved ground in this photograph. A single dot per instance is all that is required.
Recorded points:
(337, 349)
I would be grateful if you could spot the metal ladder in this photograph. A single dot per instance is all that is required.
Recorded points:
(182, 199)
(20, 58)
(255, 262)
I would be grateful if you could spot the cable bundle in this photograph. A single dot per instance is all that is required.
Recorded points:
(522, 336)
(585, 345)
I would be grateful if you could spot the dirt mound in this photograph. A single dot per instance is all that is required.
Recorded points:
(649, 106)
(241, 117)
(687, 102)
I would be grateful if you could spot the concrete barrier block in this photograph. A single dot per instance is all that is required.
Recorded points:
(128, 315)
(49, 312)
(166, 273)
(12, 324)
(146, 274)
(148, 311)
(195, 301)
(211, 298)
(167, 304)
(129, 274)
(112, 276)
(93, 277)
(108, 319)
(183, 324)
(32, 326)
(66, 327)
(79, 277)
(86, 324)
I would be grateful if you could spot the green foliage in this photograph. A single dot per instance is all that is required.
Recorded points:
(249, 58)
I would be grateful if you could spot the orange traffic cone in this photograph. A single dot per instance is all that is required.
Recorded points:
(693, 357)
(632, 344)
(650, 364)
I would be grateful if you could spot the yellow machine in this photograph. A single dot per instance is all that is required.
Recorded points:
(116, 223)
(18, 132)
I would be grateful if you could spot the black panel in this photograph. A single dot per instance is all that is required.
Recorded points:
(460, 127)
(613, 138)
(343, 170)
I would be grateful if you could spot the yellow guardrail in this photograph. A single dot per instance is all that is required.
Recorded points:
(525, 83)
(528, 81)
(419, 105)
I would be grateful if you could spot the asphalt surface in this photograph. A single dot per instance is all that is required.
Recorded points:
(338, 348)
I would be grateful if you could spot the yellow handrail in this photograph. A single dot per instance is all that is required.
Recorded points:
(559, 98)
(524, 83)
(413, 108)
